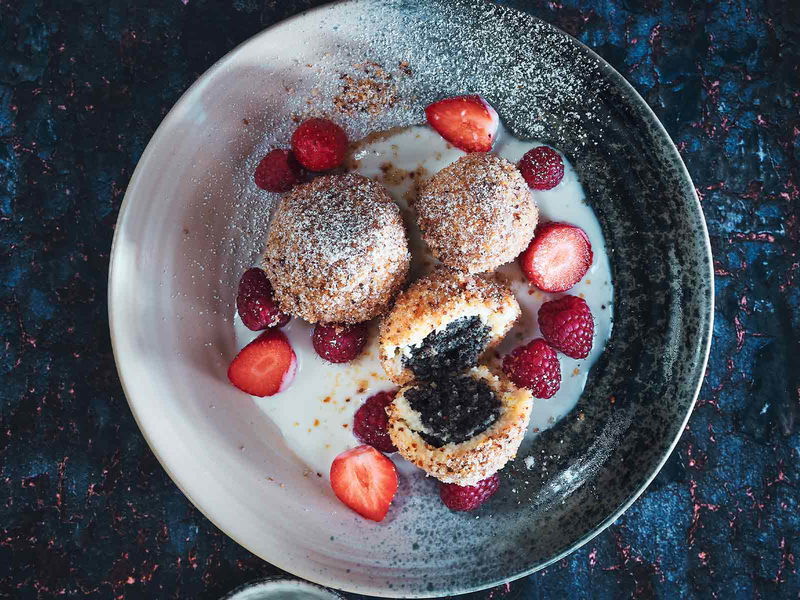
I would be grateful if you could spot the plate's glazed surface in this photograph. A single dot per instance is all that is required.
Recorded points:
(191, 221)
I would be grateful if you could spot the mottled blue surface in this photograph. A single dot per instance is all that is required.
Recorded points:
(86, 511)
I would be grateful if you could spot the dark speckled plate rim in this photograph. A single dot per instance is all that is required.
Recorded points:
(704, 338)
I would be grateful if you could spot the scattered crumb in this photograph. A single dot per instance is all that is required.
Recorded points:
(371, 89)
(391, 175)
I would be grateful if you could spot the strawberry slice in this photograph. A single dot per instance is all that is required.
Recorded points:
(265, 366)
(557, 258)
(365, 480)
(467, 122)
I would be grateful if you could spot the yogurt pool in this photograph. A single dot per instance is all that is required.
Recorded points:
(315, 414)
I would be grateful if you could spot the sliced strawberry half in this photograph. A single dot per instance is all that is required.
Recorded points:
(265, 366)
(365, 480)
(557, 258)
(467, 122)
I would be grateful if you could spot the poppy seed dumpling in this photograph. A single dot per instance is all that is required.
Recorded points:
(477, 213)
(444, 322)
(488, 448)
(336, 250)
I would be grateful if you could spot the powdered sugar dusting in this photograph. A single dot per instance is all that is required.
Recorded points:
(337, 250)
(477, 213)
(370, 83)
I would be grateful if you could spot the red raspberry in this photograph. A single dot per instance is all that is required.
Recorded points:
(339, 343)
(468, 497)
(534, 366)
(542, 168)
(255, 304)
(319, 144)
(278, 171)
(568, 325)
(371, 423)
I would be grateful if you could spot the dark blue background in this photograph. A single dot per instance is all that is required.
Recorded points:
(87, 511)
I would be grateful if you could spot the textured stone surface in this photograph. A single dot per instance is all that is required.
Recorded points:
(86, 511)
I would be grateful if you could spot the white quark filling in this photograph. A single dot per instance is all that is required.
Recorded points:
(412, 418)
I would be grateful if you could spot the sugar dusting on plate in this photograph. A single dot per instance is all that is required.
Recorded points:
(315, 413)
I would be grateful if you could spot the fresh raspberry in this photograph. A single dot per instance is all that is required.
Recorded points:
(278, 171)
(542, 168)
(371, 423)
(534, 366)
(568, 325)
(339, 343)
(319, 144)
(468, 497)
(255, 303)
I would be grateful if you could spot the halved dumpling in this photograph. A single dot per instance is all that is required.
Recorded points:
(460, 428)
(443, 323)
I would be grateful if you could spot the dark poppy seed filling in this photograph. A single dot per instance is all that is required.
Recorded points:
(455, 348)
(454, 409)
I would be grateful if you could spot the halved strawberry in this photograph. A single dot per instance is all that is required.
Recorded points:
(557, 258)
(265, 366)
(467, 122)
(365, 480)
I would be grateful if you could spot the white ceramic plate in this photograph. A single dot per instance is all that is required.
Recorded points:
(192, 220)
